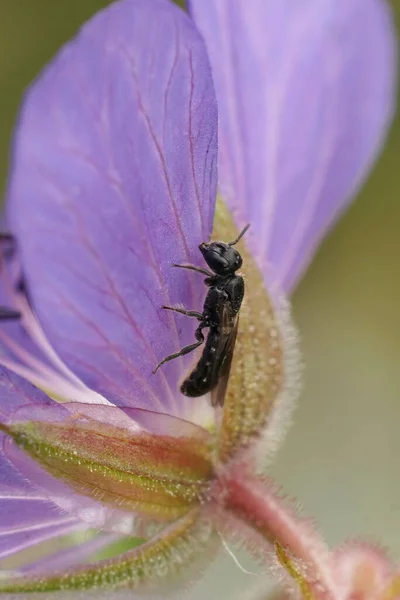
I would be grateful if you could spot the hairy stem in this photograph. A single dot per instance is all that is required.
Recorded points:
(254, 502)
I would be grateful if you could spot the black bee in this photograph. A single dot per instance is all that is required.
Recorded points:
(7, 247)
(220, 314)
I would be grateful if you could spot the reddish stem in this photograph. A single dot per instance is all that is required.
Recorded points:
(255, 503)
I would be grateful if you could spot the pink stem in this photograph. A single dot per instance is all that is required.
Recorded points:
(254, 502)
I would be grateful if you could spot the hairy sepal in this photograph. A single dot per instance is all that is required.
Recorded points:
(171, 553)
(156, 475)
(258, 374)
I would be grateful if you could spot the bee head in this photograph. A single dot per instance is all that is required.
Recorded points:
(221, 257)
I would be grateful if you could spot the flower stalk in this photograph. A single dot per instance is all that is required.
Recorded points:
(254, 502)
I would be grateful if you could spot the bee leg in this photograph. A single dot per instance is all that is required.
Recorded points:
(183, 311)
(185, 350)
(193, 268)
(7, 314)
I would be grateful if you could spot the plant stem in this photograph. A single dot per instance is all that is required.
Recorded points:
(254, 502)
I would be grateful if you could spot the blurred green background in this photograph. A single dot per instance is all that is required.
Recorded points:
(341, 457)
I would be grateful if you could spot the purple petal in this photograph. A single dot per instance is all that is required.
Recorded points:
(114, 180)
(18, 497)
(26, 516)
(16, 392)
(305, 92)
(17, 538)
(71, 556)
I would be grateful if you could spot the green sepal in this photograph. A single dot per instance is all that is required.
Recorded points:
(155, 475)
(169, 554)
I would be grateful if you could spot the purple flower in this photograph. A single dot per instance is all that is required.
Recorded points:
(114, 180)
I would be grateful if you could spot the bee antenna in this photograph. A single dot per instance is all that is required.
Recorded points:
(241, 234)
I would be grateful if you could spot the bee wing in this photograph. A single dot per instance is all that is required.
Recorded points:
(224, 354)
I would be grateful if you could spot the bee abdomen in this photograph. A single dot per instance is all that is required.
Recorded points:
(201, 379)
(194, 388)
